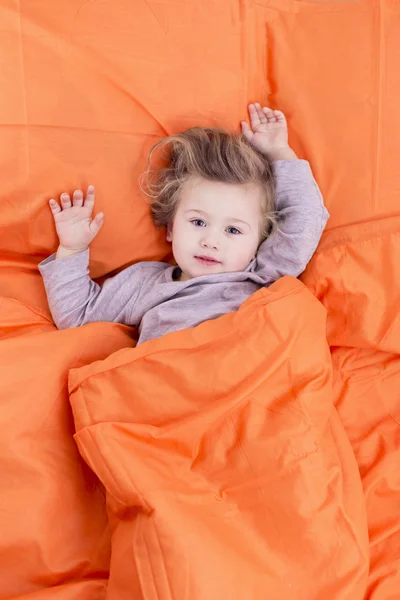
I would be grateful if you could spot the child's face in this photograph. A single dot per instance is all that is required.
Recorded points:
(216, 221)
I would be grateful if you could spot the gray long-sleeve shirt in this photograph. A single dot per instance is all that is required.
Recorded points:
(146, 294)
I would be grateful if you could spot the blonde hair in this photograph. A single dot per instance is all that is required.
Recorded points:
(213, 155)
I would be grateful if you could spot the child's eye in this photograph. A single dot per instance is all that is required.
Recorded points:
(233, 230)
(198, 223)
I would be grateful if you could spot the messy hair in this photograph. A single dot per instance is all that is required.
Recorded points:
(213, 155)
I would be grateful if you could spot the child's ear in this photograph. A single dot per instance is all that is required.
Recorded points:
(169, 232)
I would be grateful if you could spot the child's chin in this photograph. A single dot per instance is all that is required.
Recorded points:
(211, 270)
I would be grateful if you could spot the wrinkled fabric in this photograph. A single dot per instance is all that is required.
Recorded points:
(87, 89)
(356, 275)
(223, 459)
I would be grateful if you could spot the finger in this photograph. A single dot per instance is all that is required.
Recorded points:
(65, 201)
(254, 118)
(260, 112)
(97, 223)
(280, 116)
(270, 114)
(246, 131)
(55, 207)
(77, 198)
(90, 196)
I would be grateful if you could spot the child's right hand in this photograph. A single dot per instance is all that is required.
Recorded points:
(74, 224)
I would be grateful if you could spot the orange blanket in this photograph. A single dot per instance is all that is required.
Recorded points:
(227, 470)
(87, 88)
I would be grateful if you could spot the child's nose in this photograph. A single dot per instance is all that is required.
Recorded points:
(210, 241)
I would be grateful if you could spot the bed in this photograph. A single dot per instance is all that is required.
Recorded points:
(114, 490)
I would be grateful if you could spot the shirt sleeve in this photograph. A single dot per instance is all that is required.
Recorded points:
(75, 299)
(302, 217)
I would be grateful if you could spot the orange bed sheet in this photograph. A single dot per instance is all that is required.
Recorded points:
(88, 87)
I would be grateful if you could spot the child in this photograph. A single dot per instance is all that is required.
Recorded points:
(217, 199)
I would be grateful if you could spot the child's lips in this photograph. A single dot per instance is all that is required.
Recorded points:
(209, 261)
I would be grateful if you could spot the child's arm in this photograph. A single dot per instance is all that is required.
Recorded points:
(301, 220)
(75, 299)
(302, 215)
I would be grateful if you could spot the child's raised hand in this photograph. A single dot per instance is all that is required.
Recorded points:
(73, 219)
(268, 130)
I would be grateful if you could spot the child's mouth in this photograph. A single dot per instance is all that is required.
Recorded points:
(207, 260)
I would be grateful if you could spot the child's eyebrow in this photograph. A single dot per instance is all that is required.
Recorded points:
(196, 210)
(233, 220)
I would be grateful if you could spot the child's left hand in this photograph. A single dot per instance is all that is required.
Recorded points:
(268, 131)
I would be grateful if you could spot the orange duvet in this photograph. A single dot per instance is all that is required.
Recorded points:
(227, 470)
(255, 456)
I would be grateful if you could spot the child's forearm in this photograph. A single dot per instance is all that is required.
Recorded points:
(284, 153)
(301, 219)
(75, 299)
(64, 252)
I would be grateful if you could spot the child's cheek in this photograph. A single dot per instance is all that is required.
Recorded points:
(245, 255)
